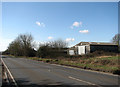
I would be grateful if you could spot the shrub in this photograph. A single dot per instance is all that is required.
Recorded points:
(47, 60)
(103, 53)
(88, 55)
(43, 51)
(116, 72)
(105, 62)
(56, 60)
(96, 61)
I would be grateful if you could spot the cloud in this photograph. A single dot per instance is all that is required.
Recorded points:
(76, 24)
(40, 24)
(38, 43)
(69, 39)
(4, 43)
(71, 45)
(83, 31)
(50, 37)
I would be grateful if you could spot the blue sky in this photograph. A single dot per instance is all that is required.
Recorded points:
(71, 21)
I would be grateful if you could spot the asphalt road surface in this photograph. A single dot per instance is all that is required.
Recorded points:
(35, 73)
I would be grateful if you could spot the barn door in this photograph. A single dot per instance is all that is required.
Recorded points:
(81, 50)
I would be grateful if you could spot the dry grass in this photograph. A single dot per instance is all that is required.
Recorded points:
(100, 63)
(103, 56)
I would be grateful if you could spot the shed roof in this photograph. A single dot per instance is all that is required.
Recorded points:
(94, 43)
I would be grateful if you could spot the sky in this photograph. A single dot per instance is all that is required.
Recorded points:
(72, 22)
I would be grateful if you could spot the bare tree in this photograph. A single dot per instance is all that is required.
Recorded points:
(58, 44)
(116, 39)
(22, 45)
(52, 49)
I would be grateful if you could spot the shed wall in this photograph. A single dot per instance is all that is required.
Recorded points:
(87, 49)
(106, 48)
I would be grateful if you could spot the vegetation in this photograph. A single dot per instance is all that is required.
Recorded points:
(56, 52)
(101, 63)
(52, 49)
(21, 46)
(116, 40)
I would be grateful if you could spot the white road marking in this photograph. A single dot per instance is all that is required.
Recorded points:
(83, 81)
(6, 77)
(85, 70)
(49, 70)
(9, 73)
(79, 68)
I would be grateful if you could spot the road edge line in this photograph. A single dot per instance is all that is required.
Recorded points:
(86, 70)
(100, 72)
(110, 74)
(9, 73)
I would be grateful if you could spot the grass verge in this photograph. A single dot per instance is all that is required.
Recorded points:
(104, 63)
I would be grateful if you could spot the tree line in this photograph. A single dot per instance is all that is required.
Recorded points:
(24, 45)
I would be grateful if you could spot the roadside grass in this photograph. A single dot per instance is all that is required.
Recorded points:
(104, 64)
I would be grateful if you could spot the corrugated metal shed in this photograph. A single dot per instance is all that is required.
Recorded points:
(94, 43)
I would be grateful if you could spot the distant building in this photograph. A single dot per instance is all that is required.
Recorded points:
(89, 47)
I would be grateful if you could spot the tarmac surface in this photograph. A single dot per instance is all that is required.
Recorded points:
(28, 72)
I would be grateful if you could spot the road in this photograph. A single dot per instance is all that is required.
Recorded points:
(35, 73)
